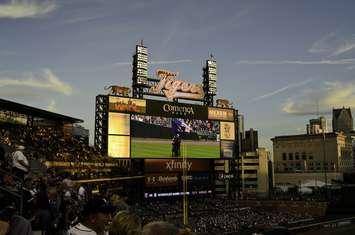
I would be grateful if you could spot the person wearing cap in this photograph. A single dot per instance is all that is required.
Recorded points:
(95, 218)
(20, 164)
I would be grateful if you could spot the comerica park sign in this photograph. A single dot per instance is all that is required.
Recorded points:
(173, 88)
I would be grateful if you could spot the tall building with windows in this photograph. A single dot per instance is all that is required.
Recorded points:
(342, 120)
(254, 173)
(250, 143)
(298, 158)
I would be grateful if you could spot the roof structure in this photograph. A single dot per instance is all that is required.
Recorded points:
(337, 112)
(35, 112)
(308, 136)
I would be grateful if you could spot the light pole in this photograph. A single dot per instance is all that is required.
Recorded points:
(324, 169)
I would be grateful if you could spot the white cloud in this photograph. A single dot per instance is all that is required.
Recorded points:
(26, 8)
(347, 46)
(81, 19)
(52, 106)
(321, 100)
(334, 44)
(300, 62)
(280, 90)
(47, 80)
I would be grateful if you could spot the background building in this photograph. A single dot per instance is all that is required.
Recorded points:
(254, 173)
(317, 126)
(250, 143)
(342, 120)
(241, 126)
(298, 158)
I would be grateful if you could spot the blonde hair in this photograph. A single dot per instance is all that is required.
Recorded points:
(125, 223)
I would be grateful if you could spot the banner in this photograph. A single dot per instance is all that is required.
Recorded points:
(175, 165)
(177, 110)
(220, 114)
(126, 105)
(161, 180)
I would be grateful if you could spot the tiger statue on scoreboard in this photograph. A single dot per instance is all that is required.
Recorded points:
(118, 90)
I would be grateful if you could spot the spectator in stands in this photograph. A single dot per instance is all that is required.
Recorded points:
(160, 228)
(119, 203)
(96, 216)
(81, 194)
(125, 223)
(20, 164)
(43, 216)
(11, 222)
(2, 157)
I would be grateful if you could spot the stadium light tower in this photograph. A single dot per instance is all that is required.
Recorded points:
(139, 70)
(210, 80)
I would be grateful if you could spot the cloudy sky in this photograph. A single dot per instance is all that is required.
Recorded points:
(280, 62)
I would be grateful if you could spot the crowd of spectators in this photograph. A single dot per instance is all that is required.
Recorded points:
(46, 144)
(215, 216)
(54, 204)
(200, 127)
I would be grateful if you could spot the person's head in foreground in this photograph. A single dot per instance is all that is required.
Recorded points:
(160, 228)
(125, 223)
(96, 215)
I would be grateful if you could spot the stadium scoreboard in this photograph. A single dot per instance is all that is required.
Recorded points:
(144, 128)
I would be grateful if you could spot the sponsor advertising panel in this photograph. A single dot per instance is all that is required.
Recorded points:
(118, 146)
(220, 114)
(126, 105)
(118, 124)
(169, 109)
(161, 180)
(175, 165)
(227, 130)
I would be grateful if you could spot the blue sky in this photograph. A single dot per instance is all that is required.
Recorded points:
(276, 59)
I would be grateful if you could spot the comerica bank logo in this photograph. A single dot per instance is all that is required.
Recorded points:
(174, 165)
(174, 109)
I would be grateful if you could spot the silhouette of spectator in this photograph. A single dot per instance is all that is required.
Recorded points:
(160, 228)
(125, 223)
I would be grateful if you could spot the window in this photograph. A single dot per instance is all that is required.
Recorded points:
(304, 157)
(284, 156)
(290, 156)
(297, 156)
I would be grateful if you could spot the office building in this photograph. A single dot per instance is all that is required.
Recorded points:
(250, 143)
(342, 120)
(298, 158)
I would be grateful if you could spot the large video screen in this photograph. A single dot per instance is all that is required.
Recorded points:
(162, 137)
